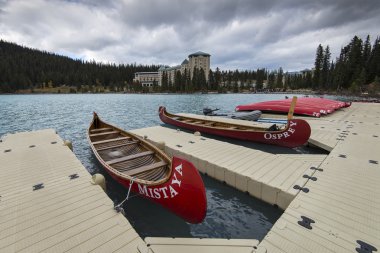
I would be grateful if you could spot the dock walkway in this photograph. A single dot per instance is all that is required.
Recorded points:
(341, 208)
(48, 203)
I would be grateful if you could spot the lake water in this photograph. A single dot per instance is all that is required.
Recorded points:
(230, 213)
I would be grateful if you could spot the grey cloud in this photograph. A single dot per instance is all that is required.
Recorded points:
(238, 34)
(151, 13)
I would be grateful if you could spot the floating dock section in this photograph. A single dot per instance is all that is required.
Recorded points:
(49, 204)
(338, 210)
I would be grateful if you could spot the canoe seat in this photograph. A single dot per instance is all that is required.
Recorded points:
(197, 122)
(118, 146)
(146, 168)
(209, 123)
(104, 133)
(130, 157)
(100, 129)
(111, 140)
(233, 127)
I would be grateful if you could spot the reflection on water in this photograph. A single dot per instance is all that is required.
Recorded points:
(230, 213)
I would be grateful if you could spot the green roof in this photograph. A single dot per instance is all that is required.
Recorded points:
(199, 53)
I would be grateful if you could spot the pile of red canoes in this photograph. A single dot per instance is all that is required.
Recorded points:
(308, 106)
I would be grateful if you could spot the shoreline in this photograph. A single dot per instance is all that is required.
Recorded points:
(355, 97)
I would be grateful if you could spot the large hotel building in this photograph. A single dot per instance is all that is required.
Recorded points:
(196, 60)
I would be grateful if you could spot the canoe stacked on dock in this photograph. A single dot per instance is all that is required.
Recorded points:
(314, 107)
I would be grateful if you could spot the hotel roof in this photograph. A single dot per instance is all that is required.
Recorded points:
(199, 53)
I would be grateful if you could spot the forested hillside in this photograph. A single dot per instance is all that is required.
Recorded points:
(25, 68)
(356, 70)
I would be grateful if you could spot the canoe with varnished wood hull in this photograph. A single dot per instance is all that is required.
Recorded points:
(173, 183)
(295, 133)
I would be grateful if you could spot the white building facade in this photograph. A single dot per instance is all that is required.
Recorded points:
(199, 60)
(147, 79)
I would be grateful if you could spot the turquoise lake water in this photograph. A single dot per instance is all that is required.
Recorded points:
(230, 213)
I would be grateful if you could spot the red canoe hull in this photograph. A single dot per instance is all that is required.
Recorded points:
(183, 194)
(280, 108)
(314, 107)
(296, 133)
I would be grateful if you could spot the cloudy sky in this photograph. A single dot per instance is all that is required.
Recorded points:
(239, 34)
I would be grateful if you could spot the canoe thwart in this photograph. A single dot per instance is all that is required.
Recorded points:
(129, 157)
(146, 168)
(104, 133)
(100, 129)
(111, 140)
(118, 146)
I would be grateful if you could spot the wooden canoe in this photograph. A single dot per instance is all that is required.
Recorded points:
(293, 134)
(173, 183)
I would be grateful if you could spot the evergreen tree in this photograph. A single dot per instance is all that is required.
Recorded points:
(260, 76)
(195, 79)
(177, 81)
(308, 80)
(272, 80)
(188, 83)
(211, 80)
(355, 60)
(202, 80)
(374, 61)
(280, 76)
(325, 68)
(218, 79)
(164, 82)
(318, 67)
(367, 52)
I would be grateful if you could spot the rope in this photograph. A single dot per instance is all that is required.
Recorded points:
(118, 208)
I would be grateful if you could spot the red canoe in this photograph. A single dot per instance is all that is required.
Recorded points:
(173, 183)
(314, 107)
(295, 133)
(279, 108)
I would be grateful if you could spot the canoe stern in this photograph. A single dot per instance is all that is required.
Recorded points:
(183, 194)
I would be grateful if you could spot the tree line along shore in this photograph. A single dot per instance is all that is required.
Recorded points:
(356, 71)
